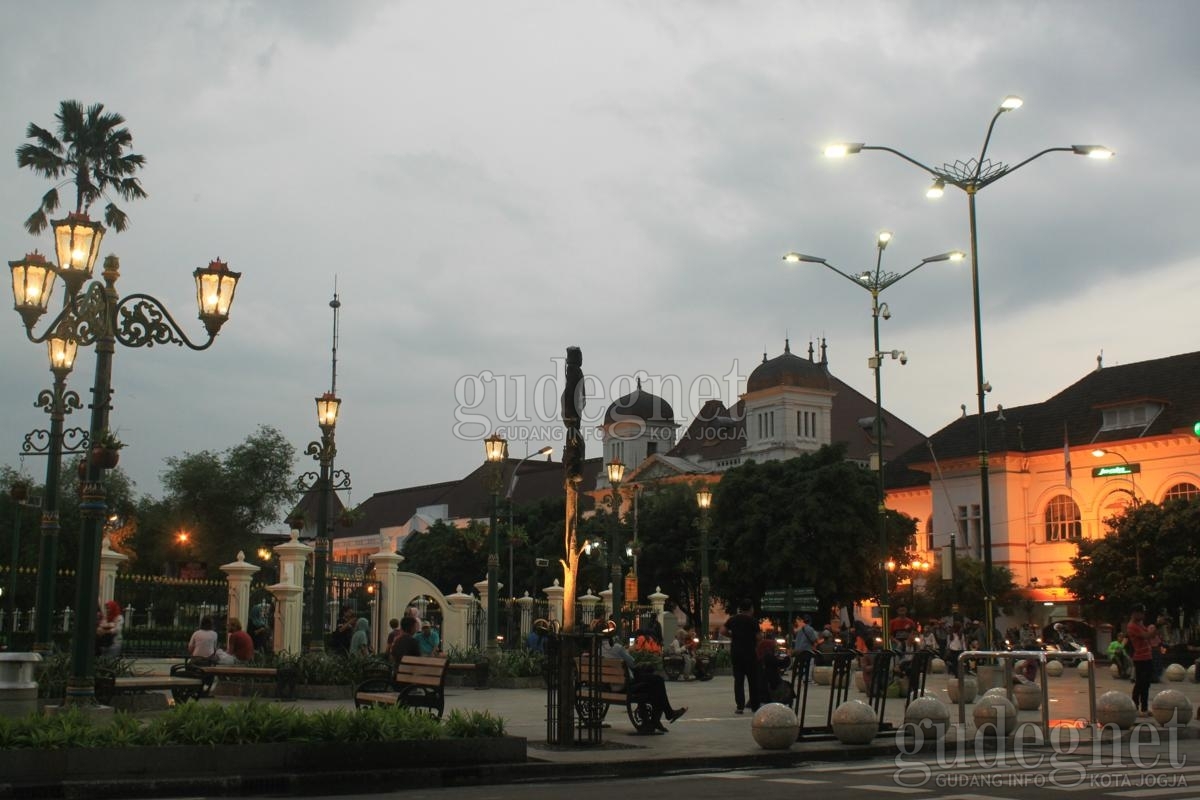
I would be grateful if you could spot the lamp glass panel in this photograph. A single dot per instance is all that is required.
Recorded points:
(77, 243)
(32, 284)
(327, 410)
(62, 352)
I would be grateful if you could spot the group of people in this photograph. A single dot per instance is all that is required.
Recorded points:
(239, 647)
(645, 682)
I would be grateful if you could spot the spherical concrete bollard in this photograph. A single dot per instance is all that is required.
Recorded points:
(854, 722)
(996, 691)
(1190, 673)
(937, 666)
(970, 689)
(928, 715)
(1028, 696)
(774, 727)
(822, 675)
(1170, 708)
(1054, 669)
(1083, 668)
(1174, 673)
(1116, 708)
(994, 715)
(1114, 670)
(860, 683)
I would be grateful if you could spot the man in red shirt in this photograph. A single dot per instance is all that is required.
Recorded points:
(240, 645)
(902, 627)
(1140, 636)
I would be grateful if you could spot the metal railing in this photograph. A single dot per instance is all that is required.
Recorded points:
(1008, 658)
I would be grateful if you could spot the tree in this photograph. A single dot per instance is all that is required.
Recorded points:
(809, 521)
(448, 556)
(669, 541)
(90, 151)
(970, 588)
(1150, 556)
(221, 500)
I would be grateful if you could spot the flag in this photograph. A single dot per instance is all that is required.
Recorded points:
(1066, 457)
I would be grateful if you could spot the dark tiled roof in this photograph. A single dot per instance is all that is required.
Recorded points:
(716, 432)
(1077, 412)
(788, 370)
(641, 405)
(470, 496)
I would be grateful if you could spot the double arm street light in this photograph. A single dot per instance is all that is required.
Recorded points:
(704, 500)
(616, 474)
(971, 177)
(875, 282)
(98, 315)
(495, 448)
(326, 481)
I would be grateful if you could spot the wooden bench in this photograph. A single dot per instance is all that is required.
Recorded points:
(418, 682)
(285, 677)
(182, 689)
(599, 686)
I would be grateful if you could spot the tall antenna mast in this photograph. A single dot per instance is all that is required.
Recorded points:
(336, 305)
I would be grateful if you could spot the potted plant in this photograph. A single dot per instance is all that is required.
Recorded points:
(106, 450)
(19, 491)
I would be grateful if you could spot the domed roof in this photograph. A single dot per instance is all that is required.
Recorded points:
(788, 370)
(640, 405)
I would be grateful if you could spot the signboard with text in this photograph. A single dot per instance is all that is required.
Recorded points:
(793, 598)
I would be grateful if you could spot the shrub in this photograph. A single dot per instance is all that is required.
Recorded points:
(473, 725)
(519, 664)
(464, 655)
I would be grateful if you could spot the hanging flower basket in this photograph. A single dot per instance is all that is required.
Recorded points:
(105, 458)
(19, 491)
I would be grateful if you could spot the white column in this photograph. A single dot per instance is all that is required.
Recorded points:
(554, 594)
(658, 604)
(289, 617)
(454, 626)
(387, 571)
(606, 599)
(238, 574)
(109, 561)
(292, 554)
(525, 603)
(589, 602)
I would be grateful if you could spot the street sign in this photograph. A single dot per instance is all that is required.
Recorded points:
(793, 598)
(1116, 469)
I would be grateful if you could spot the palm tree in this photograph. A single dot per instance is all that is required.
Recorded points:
(90, 150)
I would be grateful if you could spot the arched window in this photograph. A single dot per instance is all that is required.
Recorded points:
(1062, 519)
(1181, 491)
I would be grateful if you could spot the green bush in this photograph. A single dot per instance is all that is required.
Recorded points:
(324, 669)
(242, 723)
(518, 664)
(464, 655)
(55, 669)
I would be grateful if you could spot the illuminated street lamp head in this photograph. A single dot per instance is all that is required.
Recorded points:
(215, 285)
(796, 258)
(843, 149)
(495, 448)
(616, 471)
(936, 190)
(327, 410)
(890, 565)
(546, 451)
(32, 285)
(1100, 452)
(704, 498)
(182, 537)
(882, 240)
(1096, 151)
(1011, 103)
(62, 354)
(77, 243)
(953, 255)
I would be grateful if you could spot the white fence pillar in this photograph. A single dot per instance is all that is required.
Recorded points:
(238, 574)
(109, 561)
(387, 572)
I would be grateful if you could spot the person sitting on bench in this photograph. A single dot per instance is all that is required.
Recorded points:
(240, 645)
(645, 682)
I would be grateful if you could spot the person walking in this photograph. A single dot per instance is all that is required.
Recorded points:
(1141, 635)
(742, 630)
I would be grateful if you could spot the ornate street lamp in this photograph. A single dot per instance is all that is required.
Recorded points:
(875, 282)
(495, 449)
(704, 501)
(95, 315)
(972, 176)
(616, 474)
(546, 451)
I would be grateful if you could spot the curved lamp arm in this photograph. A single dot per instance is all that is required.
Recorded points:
(143, 321)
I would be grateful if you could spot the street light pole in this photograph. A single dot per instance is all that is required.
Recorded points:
(98, 315)
(323, 452)
(496, 451)
(875, 282)
(508, 497)
(1100, 452)
(704, 500)
(971, 177)
(616, 473)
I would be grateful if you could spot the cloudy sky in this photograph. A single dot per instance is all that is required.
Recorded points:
(488, 183)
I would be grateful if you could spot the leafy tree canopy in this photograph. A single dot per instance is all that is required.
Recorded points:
(448, 556)
(1151, 556)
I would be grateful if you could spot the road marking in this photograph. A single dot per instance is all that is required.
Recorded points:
(892, 789)
(795, 780)
(1165, 791)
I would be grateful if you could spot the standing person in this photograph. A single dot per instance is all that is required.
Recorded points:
(339, 640)
(108, 633)
(394, 625)
(804, 642)
(360, 640)
(239, 646)
(742, 630)
(203, 644)
(902, 628)
(955, 644)
(1143, 663)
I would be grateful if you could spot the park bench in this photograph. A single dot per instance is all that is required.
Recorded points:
(418, 682)
(604, 683)
(182, 689)
(285, 678)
